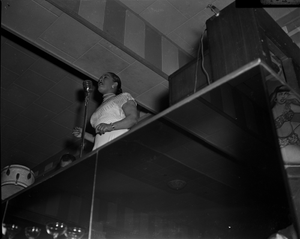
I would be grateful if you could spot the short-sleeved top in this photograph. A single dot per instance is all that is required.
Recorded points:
(111, 110)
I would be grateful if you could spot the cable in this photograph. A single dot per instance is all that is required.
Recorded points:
(197, 64)
(202, 65)
(200, 48)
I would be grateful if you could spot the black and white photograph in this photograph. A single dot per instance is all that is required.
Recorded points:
(150, 119)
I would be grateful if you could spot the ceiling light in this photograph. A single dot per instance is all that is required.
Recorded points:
(177, 184)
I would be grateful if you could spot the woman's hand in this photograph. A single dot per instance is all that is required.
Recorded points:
(102, 128)
(131, 119)
(77, 131)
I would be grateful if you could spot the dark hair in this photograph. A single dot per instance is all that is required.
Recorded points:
(118, 80)
(65, 158)
(281, 88)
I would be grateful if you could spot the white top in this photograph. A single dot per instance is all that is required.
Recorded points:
(108, 112)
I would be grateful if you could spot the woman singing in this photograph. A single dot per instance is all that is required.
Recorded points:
(115, 116)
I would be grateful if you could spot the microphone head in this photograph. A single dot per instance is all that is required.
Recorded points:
(88, 86)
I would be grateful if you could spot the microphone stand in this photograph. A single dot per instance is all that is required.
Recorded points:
(84, 121)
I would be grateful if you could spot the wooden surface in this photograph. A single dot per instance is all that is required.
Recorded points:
(184, 82)
(234, 40)
(239, 36)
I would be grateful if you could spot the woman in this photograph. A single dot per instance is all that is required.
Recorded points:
(115, 116)
(284, 106)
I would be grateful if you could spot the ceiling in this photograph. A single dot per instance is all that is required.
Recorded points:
(48, 48)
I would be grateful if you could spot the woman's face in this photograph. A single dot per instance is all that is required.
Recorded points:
(106, 84)
(281, 97)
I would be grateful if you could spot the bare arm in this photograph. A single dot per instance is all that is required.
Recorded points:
(132, 116)
(295, 108)
(294, 101)
(292, 98)
(77, 133)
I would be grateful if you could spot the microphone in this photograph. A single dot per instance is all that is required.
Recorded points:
(88, 86)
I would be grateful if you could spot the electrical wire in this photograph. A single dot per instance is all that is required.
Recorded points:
(203, 68)
(200, 48)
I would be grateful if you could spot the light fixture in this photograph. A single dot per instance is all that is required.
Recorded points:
(177, 184)
(214, 9)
